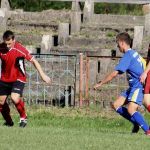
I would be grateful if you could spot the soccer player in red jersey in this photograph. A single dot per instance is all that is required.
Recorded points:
(13, 76)
(145, 78)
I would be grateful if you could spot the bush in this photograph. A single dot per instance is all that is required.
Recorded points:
(100, 8)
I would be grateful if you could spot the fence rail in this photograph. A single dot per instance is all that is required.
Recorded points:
(109, 1)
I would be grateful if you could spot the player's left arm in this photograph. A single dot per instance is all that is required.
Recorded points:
(41, 72)
(36, 64)
(106, 79)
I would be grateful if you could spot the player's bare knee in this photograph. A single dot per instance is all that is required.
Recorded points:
(115, 105)
(131, 110)
(2, 102)
(15, 99)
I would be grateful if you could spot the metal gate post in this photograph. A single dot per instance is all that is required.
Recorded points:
(87, 81)
(81, 80)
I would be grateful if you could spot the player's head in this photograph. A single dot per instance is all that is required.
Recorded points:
(9, 38)
(124, 41)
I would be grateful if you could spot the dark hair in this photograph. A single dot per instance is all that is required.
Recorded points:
(124, 36)
(8, 35)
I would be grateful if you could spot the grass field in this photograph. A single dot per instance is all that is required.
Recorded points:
(72, 129)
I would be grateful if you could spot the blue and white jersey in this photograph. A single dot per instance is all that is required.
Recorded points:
(134, 65)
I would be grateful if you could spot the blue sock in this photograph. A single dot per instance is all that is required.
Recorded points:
(141, 121)
(124, 113)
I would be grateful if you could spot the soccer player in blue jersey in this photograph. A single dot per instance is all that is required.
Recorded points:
(133, 64)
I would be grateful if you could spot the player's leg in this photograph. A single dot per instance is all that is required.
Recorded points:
(5, 111)
(19, 104)
(132, 109)
(135, 100)
(4, 108)
(6, 115)
(2, 101)
(146, 101)
(119, 108)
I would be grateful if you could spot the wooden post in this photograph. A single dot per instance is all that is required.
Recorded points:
(81, 80)
(87, 81)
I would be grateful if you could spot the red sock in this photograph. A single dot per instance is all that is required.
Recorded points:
(148, 108)
(21, 109)
(6, 113)
(1, 106)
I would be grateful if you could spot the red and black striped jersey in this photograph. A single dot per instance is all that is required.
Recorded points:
(13, 68)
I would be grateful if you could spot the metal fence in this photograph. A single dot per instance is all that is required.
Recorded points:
(62, 71)
(73, 78)
(94, 69)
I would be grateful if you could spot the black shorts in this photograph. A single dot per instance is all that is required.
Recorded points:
(6, 88)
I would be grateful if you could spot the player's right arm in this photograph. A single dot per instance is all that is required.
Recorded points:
(25, 53)
(144, 74)
(106, 79)
(119, 69)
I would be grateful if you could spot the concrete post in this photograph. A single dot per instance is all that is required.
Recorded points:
(3, 20)
(76, 6)
(88, 10)
(146, 10)
(63, 33)
(66, 97)
(5, 4)
(147, 24)
(4, 14)
(31, 49)
(75, 22)
(138, 37)
(46, 44)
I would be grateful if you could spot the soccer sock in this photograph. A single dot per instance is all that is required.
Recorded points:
(1, 106)
(148, 108)
(6, 113)
(124, 113)
(21, 109)
(141, 121)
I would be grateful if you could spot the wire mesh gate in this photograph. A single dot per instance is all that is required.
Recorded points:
(62, 71)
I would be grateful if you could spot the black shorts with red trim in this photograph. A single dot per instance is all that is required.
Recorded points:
(6, 88)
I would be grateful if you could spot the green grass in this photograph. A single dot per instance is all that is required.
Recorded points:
(72, 129)
(111, 34)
